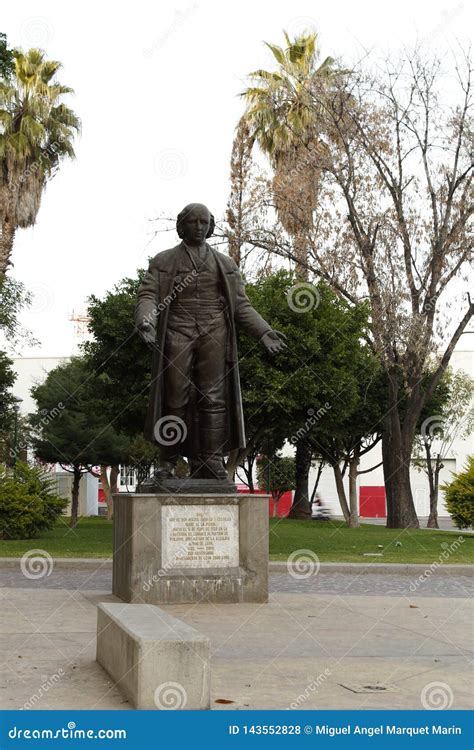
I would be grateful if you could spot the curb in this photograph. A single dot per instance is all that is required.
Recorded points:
(86, 563)
(382, 568)
(63, 563)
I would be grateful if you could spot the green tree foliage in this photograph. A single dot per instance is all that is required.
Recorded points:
(36, 134)
(13, 298)
(7, 379)
(6, 59)
(276, 475)
(459, 496)
(119, 358)
(315, 387)
(29, 503)
(71, 429)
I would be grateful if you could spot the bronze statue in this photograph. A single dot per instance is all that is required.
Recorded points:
(189, 304)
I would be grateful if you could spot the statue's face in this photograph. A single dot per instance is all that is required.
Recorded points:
(196, 225)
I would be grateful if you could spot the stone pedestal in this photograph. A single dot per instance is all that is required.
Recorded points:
(171, 549)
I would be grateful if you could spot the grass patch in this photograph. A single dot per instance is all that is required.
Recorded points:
(332, 541)
(92, 537)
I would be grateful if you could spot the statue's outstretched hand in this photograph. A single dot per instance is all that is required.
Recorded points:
(274, 342)
(147, 333)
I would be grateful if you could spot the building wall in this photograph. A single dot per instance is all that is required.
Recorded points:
(88, 492)
(31, 371)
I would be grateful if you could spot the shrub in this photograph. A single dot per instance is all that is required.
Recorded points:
(28, 502)
(459, 496)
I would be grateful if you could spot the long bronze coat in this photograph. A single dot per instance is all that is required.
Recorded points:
(154, 298)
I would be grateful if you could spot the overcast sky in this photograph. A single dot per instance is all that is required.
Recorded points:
(156, 87)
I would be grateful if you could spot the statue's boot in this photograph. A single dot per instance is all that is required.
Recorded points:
(169, 453)
(212, 438)
(166, 469)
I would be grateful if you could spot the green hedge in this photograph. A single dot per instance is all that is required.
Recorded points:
(28, 501)
(459, 496)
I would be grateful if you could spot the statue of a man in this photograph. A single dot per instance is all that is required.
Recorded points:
(189, 304)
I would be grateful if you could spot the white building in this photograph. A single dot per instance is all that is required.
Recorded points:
(32, 371)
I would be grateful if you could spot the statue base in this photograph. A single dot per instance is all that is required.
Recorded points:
(183, 548)
(186, 486)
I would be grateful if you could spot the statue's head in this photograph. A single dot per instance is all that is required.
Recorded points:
(195, 223)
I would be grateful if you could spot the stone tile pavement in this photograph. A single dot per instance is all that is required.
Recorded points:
(331, 641)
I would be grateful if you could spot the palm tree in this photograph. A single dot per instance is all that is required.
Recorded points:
(285, 122)
(282, 115)
(36, 133)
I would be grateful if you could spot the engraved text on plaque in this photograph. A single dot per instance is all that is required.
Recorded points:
(200, 536)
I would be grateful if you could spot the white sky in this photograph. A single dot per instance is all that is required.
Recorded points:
(157, 87)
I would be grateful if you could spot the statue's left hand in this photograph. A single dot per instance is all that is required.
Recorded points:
(274, 342)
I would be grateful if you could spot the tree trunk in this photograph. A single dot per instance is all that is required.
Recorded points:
(247, 466)
(315, 488)
(301, 507)
(104, 480)
(434, 490)
(353, 504)
(7, 236)
(232, 463)
(114, 475)
(396, 454)
(77, 474)
(341, 493)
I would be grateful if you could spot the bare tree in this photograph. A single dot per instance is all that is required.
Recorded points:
(394, 226)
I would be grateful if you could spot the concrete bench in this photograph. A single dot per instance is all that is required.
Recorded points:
(158, 661)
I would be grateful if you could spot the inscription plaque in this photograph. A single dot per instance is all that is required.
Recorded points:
(200, 536)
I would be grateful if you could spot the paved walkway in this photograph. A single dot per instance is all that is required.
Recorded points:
(368, 584)
(332, 641)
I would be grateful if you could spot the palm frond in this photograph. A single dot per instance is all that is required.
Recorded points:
(278, 53)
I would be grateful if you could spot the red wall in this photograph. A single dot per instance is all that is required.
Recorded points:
(372, 502)
(284, 503)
